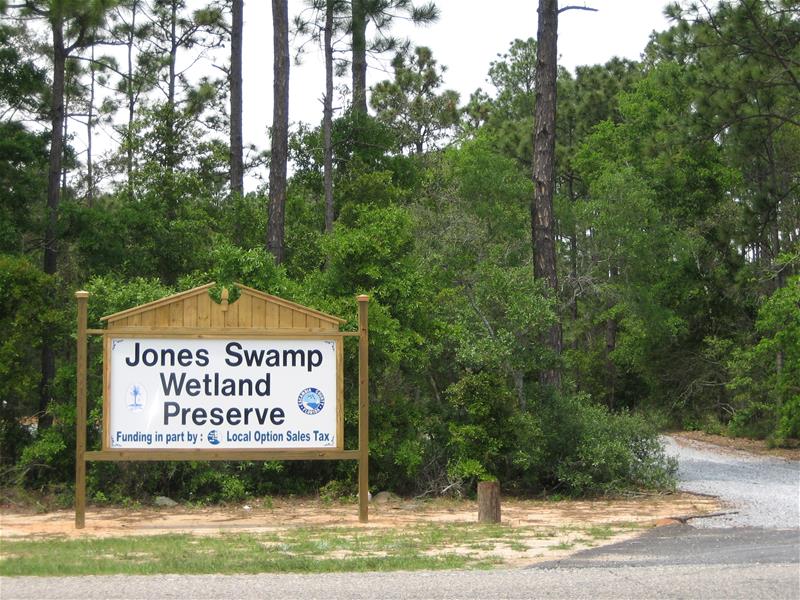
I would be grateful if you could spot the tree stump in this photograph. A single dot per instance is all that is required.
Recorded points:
(488, 502)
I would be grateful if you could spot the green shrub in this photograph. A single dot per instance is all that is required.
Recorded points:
(789, 422)
(755, 421)
(767, 397)
(338, 489)
(594, 451)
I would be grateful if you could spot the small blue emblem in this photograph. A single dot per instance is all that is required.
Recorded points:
(136, 398)
(213, 438)
(311, 401)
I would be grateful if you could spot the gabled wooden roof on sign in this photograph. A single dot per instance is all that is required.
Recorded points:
(195, 309)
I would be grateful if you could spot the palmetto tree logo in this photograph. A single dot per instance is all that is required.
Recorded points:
(136, 398)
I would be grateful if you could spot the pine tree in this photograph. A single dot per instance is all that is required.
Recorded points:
(71, 24)
(235, 81)
(544, 147)
(280, 130)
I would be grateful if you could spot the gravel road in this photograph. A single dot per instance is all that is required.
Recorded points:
(763, 491)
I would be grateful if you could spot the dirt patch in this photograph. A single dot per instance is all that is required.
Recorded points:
(277, 515)
(736, 445)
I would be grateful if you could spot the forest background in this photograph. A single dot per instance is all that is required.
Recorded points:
(672, 298)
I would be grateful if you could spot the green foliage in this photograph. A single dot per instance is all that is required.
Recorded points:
(509, 115)
(789, 424)
(410, 104)
(601, 452)
(29, 308)
(49, 450)
(756, 420)
(109, 295)
(482, 406)
(360, 144)
(336, 490)
(214, 485)
(676, 233)
(229, 264)
(22, 81)
(766, 375)
(14, 438)
(23, 179)
(490, 437)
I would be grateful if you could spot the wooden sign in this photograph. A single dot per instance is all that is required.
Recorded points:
(187, 378)
(219, 393)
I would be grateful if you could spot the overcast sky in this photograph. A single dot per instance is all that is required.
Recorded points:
(468, 36)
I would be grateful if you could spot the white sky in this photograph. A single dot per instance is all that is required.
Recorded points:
(468, 36)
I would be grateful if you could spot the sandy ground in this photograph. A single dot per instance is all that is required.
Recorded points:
(276, 515)
(548, 529)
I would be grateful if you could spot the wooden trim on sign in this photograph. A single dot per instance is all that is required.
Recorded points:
(193, 315)
(281, 303)
(106, 392)
(159, 303)
(340, 394)
(292, 305)
(363, 409)
(211, 333)
(190, 454)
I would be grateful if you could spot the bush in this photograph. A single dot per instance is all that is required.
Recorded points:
(789, 423)
(594, 451)
(14, 437)
(755, 421)
(767, 397)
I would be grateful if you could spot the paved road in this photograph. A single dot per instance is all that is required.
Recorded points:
(685, 545)
(751, 582)
(669, 562)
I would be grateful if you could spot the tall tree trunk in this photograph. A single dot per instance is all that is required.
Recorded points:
(611, 369)
(64, 136)
(519, 387)
(131, 102)
(573, 273)
(89, 135)
(280, 129)
(173, 54)
(777, 191)
(237, 162)
(53, 199)
(171, 142)
(544, 142)
(327, 117)
(359, 25)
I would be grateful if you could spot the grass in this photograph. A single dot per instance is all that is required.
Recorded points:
(427, 546)
(563, 546)
(301, 550)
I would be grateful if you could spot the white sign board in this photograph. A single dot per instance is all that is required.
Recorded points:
(222, 393)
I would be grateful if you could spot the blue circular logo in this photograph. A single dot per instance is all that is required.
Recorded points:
(213, 437)
(311, 401)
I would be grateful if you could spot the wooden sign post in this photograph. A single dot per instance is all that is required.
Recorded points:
(363, 409)
(187, 378)
(80, 415)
